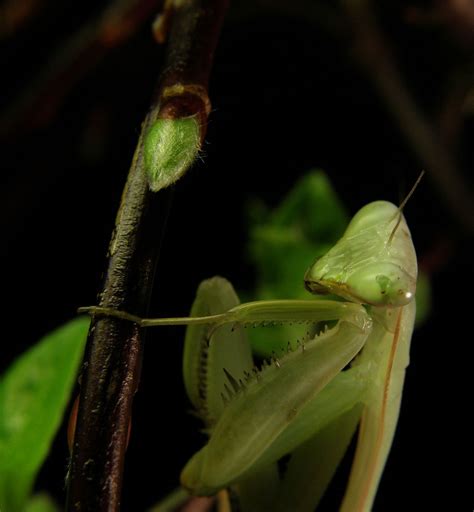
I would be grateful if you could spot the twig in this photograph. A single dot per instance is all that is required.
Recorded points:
(452, 113)
(180, 500)
(112, 362)
(323, 15)
(36, 105)
(374, 53)
(14, 15)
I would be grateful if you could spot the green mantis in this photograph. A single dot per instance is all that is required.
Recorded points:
(308, 400)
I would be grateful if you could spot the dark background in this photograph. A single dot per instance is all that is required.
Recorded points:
(287, 97)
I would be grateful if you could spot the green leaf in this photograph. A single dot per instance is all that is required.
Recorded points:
(423, 299)
(41, 503)
(284, 242)
(33, 395)
(312, 208)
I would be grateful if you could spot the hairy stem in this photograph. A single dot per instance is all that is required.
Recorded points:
(111, 367)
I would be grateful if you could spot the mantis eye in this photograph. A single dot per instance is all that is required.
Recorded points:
(373, 263)
(383, 284)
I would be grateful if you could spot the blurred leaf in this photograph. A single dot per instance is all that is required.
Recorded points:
(33, 394)
(41, 503)
(313, 209)
(423, 299)
(285, 242)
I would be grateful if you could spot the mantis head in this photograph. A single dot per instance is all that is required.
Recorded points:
(373, 263)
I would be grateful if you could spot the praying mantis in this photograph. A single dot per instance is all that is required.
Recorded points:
(308, 400)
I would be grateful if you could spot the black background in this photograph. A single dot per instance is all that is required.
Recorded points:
(287, 97)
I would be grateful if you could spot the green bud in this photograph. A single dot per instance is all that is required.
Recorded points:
(170, 148)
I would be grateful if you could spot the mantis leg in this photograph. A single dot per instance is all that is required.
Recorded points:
(254, 313)
(250, 431)
(266, 403)
(317, 459)
(386, 355)
(213, 361)
(209, 354)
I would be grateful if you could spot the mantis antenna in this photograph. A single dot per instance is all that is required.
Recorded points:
(404, 202)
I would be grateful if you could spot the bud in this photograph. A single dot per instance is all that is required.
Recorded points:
(170, 148)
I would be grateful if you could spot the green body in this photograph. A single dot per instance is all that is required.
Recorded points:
(308, 398)
(301, 402)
